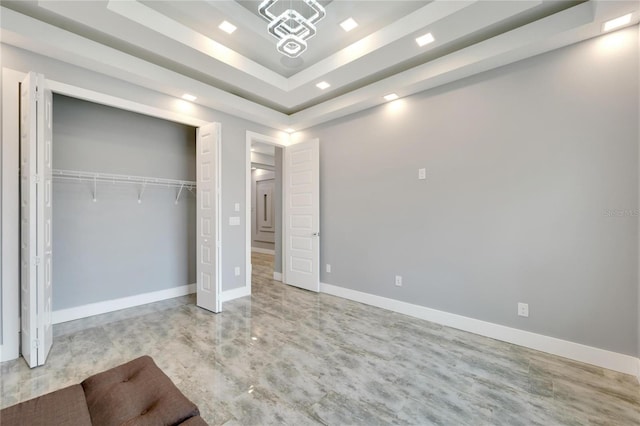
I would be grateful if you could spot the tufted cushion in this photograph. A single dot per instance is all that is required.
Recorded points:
(136, 393)
(64, 407)
(194, 421)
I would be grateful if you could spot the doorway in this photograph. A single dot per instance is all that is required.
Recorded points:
(266, 209)
(297, 256)
(264, 201)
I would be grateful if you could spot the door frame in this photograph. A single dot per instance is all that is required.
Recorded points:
(253, 137)
(10, 211)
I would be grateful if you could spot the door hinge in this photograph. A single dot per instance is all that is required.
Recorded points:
(36, 178)
(36, 343)
(36, 260)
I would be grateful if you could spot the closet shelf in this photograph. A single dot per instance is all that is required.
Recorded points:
(113, 178)
(141, 181)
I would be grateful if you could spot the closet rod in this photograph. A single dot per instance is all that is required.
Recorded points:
(113, 178)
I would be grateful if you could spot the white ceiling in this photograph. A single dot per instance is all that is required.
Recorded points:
(243, 74)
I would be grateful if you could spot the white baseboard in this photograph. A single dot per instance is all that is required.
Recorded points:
(70, 314)
(277, 276)
(576, 351)
(235, 293)
(263, 250)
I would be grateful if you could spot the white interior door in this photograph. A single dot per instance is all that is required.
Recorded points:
(302, 215)
(208, 223)
(36, 214)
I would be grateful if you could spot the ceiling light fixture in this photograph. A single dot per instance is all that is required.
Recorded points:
(349, 24)
(391, 97)
(323, 85)
(290, 27)
(425, 39)
(616, 23)
(289, 130)
(227, 27)
(188, 97)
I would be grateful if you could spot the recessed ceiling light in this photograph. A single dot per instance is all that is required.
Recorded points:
(425, 39)
(227, 27)
(391, 97)
(616, 23)
(188, 97)
(289, 130)
(349, 24)
(323, 85)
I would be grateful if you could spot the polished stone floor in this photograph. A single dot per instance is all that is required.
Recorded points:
(287, 356)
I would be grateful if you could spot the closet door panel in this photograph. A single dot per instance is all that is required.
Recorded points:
(28, 219)
(45, 292)
(208, 229)
(35, 219)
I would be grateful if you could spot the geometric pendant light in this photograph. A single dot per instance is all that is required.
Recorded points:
(291, 28)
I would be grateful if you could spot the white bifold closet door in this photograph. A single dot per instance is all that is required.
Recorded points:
(208, 223)
(36, 214)
(302, 215)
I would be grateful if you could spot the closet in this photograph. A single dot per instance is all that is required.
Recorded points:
(124, 204)
(124, 223)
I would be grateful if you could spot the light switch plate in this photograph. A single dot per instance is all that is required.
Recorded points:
(237, 207)
(234, 220)
(422, 174)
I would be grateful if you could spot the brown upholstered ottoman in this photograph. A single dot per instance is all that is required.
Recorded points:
(64, 407)
(135, 393)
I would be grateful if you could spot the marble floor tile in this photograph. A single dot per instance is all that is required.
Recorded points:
(286, 356)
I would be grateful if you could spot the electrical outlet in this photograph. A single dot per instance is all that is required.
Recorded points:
(328, 268)
(523, 309)
(399, 280)
(237, 271)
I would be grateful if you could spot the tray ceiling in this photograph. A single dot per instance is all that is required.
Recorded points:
(377, 57)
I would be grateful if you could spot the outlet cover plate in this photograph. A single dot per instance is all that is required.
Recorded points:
(523, 309)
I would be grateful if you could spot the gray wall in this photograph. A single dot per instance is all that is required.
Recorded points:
(531, 191)
(117, 247)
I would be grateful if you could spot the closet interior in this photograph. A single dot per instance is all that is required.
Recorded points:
(124, 204)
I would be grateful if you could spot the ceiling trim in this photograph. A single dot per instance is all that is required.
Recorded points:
(342, 68)
(560, 29)
(149, 18)
(47, 40)
(399, 29)
(495, 52)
